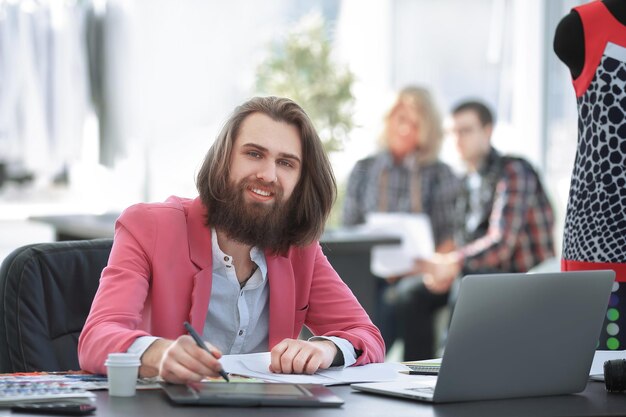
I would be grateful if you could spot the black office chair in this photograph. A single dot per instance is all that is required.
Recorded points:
(46, 290)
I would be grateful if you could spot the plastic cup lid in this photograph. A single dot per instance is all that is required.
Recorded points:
(122, 359)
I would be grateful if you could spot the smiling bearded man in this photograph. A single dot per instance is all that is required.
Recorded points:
(241, 262)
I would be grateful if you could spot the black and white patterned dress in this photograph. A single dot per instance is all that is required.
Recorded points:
(595, 223)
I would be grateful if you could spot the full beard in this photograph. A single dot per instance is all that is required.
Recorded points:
(258, 224)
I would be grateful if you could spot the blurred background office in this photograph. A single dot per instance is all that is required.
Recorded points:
(104, 103)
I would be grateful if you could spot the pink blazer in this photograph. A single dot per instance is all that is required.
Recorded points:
(159, 275)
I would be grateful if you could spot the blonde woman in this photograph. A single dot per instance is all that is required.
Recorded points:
(406, 176)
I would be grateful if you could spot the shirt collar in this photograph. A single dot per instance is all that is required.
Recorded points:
(492, 157)
(221, 259)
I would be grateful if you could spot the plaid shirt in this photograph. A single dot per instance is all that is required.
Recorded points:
(514, 227)
(377, 184)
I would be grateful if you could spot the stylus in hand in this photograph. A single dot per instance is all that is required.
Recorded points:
(200, 343)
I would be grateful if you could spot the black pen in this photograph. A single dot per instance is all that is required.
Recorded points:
(200, 343)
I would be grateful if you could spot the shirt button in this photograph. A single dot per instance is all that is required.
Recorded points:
(226, 258)
(227, 266)
(240, 332)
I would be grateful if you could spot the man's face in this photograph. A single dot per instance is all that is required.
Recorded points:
(472, 138)
(266, 161)
(265, 167)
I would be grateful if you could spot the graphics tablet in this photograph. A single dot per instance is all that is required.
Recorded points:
(252, 394)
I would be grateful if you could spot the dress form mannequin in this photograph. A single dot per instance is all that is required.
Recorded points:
(591, 41)
(569, 41)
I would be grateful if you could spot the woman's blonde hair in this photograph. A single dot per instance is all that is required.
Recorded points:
(431, 130)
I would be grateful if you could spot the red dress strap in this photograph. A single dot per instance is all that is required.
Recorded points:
(599, 28)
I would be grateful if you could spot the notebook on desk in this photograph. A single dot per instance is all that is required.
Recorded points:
(515, 335)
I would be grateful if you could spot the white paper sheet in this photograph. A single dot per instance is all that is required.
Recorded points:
(417, 242)
(256, 365)
(601, 356)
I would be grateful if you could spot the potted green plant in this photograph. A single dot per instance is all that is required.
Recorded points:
(301, 66)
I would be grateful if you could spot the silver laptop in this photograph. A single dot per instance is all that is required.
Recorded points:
(515, 335)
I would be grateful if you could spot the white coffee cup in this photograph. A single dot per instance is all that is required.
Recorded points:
(122, 372)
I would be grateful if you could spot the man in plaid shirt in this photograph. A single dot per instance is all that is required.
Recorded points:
(505, 218)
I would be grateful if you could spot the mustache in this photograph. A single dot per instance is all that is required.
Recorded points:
(269, 186)
(250, 222)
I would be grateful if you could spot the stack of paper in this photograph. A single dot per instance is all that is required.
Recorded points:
(15, 390)
(256, 365)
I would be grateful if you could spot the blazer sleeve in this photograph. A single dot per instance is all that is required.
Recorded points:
(334, 311)
(116, 312)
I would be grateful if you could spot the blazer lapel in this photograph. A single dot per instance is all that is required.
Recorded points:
(200, 295)
(282, 298)
(201, 254)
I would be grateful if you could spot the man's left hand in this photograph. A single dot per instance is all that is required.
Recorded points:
(292, 356)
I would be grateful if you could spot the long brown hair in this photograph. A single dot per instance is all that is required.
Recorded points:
(316, 190)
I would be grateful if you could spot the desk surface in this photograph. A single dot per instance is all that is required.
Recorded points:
(81, 226)
(92, 226)
(594, 401)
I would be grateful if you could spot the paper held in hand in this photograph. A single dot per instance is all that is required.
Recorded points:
(417, 242)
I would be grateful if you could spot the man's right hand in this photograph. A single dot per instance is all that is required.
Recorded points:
(440, 272)
(180, 361)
